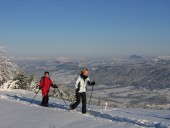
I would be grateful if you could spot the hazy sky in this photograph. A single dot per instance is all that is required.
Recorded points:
(85, 27)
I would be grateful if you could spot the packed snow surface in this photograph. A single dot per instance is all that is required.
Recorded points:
(17, 112)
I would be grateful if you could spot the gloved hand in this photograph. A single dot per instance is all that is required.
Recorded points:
(40, 88)
(93, 83)
(55, 86)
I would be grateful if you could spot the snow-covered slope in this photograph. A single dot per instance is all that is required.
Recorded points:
(16, 112)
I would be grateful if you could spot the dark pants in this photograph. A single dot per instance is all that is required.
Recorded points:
(44, 102)
(80, 96)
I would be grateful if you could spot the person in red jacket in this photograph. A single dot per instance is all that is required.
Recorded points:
(45, 85)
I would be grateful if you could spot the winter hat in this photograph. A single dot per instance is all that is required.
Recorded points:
(84, 69)
(46, 72)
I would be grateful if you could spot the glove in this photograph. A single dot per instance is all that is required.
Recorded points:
(55, 86)
(93, 83)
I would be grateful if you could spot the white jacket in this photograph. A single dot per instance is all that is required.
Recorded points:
(81, 84)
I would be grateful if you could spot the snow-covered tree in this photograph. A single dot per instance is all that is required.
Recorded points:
(23, 80)
(7, 67)
(10, 84)
(10, 77)
(32, 83)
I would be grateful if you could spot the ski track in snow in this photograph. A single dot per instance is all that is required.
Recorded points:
(95, 114)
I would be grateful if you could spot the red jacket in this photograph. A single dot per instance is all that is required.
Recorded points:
(45, 84)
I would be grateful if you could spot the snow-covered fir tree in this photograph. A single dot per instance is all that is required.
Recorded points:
(24, 81)
(10, 76)
(32, 83)
(7, 67)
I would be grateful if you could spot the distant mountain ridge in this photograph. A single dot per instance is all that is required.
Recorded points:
(135, 57)
(138, 71)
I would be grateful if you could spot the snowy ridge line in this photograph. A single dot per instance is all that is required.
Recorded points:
(96, 114)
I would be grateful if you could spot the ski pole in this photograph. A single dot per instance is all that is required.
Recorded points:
(62, 97)
(92, 91)
(34, 97)
(91, 96)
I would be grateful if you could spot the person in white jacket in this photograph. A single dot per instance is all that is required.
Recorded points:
(81, 84)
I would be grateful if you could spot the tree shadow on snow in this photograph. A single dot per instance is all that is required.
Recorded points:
(126, 120)
(166, 117)
(36, 102)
